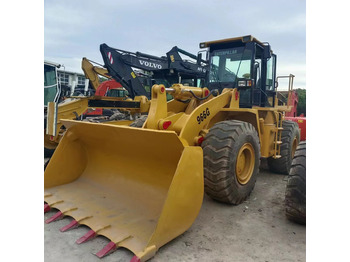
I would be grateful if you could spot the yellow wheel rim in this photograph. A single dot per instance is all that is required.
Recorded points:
(245, 163)
(294, 146)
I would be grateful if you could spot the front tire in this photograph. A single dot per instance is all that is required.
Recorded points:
(48, 152)
(231, 151)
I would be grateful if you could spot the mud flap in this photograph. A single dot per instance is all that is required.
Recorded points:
(140, 188)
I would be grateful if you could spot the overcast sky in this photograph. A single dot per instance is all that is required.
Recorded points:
(75, 29)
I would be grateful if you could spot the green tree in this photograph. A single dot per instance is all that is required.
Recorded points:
(301, 108)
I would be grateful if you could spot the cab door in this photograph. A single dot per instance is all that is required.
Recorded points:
(270, 92)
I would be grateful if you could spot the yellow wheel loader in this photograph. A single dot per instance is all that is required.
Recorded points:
(143, 187)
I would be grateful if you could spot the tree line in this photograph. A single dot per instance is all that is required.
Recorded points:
(301, 108)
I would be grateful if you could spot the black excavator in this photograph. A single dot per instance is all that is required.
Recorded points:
(165, 70)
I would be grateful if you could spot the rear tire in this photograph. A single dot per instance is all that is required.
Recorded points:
(295, 199)
(49, 146)
(46, 163)
(290, 140)
(48, 152)
(231, 153)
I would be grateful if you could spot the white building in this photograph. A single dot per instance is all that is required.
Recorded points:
(72, 82)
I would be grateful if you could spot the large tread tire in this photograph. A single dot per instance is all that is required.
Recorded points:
(295, 199)
(290, 136)
(48, 152)
(139, 122)
(46, 163)
(220, 150)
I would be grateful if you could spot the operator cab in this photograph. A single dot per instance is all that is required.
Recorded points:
(52, 89)
(246, 64)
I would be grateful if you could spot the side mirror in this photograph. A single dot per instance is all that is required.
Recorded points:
(267, 51)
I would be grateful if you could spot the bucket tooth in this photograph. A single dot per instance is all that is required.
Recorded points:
(109, 248)
(71, 225)
(47, 208)
(135, 259)
(55, 217)
(88, 236)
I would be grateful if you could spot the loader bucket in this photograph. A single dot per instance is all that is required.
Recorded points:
(138, 187)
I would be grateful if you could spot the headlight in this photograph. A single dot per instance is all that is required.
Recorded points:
(242, 83)
(245, 83)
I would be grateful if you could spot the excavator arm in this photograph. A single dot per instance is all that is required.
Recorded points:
(184, 67)
(122, 72)
(92, 72)
(119, 64)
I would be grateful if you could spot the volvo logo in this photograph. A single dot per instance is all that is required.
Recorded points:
(150, 64)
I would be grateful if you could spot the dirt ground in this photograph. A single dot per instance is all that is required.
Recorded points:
(256, 230)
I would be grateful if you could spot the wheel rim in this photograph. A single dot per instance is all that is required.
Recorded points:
(245, 163)
(294, 146)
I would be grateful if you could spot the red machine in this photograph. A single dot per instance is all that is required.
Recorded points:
(104, 89)
(301, 120)
(292, 115)
(105, 86)
(291, 98)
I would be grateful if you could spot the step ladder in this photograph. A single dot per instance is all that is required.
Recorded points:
(278, 137)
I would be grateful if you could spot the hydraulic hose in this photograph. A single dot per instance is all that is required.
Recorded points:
(213, 92)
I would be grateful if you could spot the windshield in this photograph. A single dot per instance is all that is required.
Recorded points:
(116, 93)
(50, 84)
(226, 65)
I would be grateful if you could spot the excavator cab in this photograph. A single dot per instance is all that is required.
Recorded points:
(244, 63)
